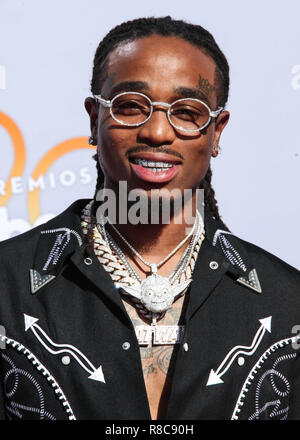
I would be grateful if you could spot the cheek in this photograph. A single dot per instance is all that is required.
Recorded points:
(199, 156)
(113, 144)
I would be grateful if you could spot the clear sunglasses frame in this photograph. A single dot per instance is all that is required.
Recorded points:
(109, 103)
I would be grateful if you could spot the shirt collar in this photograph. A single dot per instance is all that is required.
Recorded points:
(62, 236)
(59, 238)
(241, 266)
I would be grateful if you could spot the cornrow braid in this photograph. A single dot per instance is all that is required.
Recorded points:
(211, 204)
(100, 176)
(166, 26)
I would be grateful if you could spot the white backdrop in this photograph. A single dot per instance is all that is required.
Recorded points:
(46, 53)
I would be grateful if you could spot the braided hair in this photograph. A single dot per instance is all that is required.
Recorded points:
(165, 26)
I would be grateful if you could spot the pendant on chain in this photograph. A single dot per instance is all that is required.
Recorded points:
(162, 334)
(155, 292)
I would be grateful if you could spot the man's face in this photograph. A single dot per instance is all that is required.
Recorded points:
(165, 69)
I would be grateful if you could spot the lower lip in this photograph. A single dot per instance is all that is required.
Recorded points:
(159, 177)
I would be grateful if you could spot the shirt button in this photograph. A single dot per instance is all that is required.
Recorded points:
(126, 346)
(241, 361)
(213, 265)
(185, 346)
(88, 261)
(66, 360)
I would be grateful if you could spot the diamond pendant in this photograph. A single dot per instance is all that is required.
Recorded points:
(156, 293)
(162, 334)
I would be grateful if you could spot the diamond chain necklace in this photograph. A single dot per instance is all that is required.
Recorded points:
(156, 293)
(178, 272)
(164, 291)
(154, 266)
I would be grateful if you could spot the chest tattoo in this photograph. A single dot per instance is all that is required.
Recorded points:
(158, 359)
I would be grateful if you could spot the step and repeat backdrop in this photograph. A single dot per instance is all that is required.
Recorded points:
(46, 54)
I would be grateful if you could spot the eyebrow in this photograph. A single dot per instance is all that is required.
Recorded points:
(129, 86)
(187, 92)
(136, 86)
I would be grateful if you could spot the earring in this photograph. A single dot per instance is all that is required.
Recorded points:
(217, 149)
(91, 140)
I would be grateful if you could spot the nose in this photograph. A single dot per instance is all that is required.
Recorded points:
(157, 130)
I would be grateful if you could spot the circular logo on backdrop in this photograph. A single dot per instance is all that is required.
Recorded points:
(12, 184)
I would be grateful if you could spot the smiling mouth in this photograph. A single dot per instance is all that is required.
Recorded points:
(155, 168)
(152, 165)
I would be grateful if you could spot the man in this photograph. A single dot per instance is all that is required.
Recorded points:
(123, 320)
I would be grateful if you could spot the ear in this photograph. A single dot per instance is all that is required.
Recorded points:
(220, 124)
(91, 107)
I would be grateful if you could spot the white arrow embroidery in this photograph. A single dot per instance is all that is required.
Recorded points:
(95, 373)
(215, 376)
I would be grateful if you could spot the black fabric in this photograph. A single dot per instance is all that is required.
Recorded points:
(81, 307)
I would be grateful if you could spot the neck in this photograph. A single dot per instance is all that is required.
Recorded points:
(151, 226)
(152, 240)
